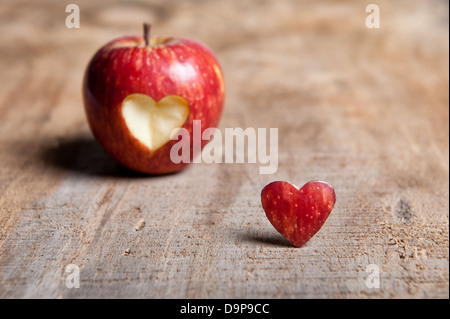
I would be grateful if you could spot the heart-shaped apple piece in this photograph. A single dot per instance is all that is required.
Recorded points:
(298, 214)
(151, 122)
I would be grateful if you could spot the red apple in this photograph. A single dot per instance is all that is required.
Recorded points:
(137, 90)
(298, 214)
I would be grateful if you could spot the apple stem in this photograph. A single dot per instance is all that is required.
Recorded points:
(147, 27)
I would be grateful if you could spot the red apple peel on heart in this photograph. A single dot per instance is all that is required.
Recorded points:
(298, 213)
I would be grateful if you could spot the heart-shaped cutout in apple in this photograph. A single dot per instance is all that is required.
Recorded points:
(298, 213)
(152, 123)
(138, 89)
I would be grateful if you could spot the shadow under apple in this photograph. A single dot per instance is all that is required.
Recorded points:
(82, 154)
(275, 240)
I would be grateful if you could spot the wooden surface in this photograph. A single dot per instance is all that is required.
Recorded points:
(366, 110)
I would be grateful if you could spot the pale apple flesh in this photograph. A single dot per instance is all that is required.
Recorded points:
(152, 123)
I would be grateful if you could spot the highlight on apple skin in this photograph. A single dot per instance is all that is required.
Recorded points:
(136, 90)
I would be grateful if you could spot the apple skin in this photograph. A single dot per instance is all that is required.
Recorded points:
(168, 66)
(298, 214)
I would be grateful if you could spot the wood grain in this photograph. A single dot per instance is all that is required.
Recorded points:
(366, 110)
